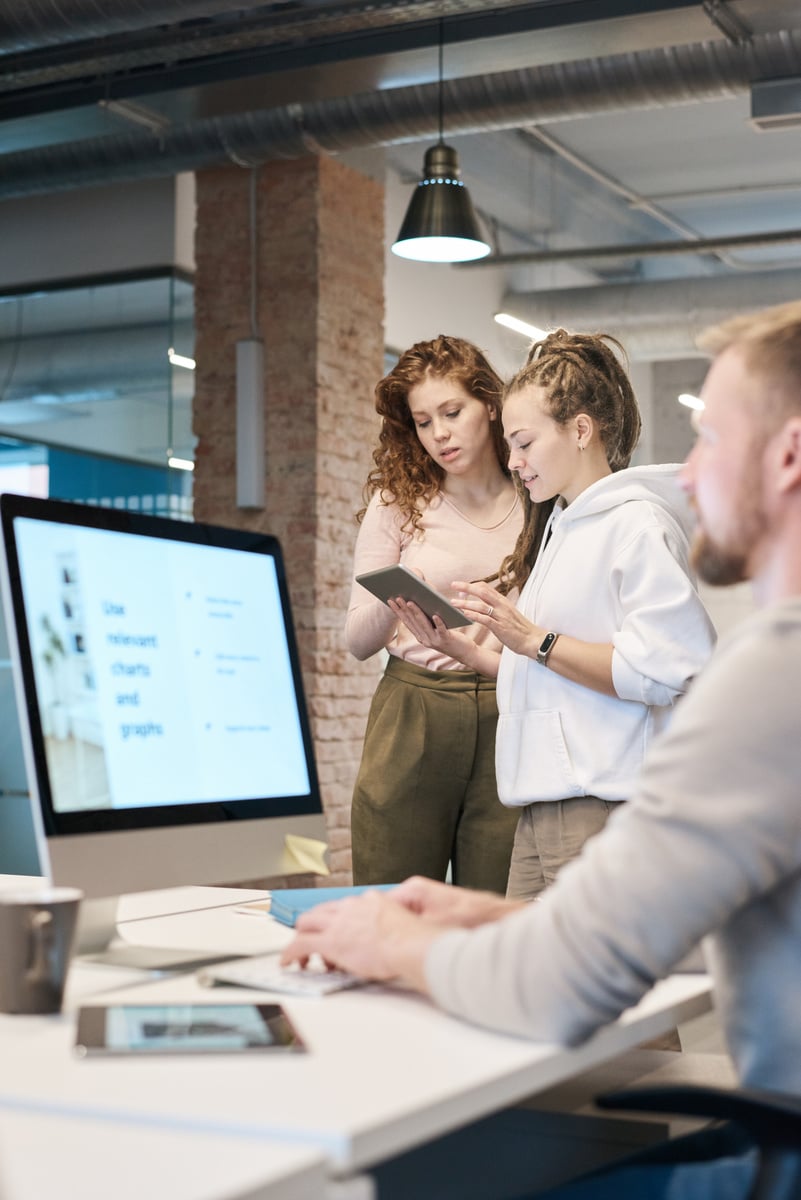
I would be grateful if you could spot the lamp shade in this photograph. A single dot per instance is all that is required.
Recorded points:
(440, 223)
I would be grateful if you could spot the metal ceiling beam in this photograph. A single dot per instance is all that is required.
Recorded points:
(39, 24)
(359, 45)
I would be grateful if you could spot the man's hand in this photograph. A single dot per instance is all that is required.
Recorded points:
(368, 935)
(451, 907)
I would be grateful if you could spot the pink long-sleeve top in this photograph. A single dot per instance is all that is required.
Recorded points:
(448, 546)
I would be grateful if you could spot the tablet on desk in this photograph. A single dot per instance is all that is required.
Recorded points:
(388, 582)
(184, 1029)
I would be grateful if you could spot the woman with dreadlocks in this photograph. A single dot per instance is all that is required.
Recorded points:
(441, 501)
(608, 630)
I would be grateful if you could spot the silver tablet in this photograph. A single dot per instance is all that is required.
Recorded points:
(184, 1029)
(388, 582)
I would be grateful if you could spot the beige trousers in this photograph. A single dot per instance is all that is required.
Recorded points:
(549, 834)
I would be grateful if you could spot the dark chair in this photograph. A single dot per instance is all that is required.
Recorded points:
(772, 1121)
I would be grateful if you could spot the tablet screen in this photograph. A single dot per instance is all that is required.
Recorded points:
(184, 1029)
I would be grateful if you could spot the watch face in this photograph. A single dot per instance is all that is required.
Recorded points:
(545, 646)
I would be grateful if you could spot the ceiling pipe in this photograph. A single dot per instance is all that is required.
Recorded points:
(641, 249)
(650, 79)
(658, 319)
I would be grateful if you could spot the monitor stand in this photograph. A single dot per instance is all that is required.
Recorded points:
(98, 940)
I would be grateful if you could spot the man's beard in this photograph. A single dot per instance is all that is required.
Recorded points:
(720, 565)
(714, 565)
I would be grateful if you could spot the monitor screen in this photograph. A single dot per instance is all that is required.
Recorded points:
(159, 688)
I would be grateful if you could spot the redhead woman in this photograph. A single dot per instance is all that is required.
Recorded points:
(440, 501)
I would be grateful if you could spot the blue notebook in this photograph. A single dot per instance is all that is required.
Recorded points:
(288, 904)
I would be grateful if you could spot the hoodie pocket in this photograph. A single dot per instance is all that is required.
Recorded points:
(531, 761)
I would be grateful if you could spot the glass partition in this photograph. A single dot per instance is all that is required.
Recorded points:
(31, 469)
(103, 366)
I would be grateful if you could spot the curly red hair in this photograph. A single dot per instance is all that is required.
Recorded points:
(404, 473)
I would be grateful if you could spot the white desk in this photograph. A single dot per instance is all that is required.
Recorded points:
(72, 1158)
(386, 1070)
(48, 1148)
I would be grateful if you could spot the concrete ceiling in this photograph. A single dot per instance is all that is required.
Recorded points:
(591, 132)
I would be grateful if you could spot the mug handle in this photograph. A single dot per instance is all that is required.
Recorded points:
(40, 930)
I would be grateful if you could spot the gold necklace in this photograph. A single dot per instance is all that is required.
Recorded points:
(475, 524)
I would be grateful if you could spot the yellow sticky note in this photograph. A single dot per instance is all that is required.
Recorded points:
(304, 854)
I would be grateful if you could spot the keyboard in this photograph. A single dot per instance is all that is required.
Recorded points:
(264, 972)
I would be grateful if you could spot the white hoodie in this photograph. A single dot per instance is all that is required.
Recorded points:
(614, 567)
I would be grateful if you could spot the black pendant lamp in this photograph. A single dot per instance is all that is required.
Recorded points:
(440, 223)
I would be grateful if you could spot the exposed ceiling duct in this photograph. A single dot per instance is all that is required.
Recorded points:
(654, 320)
(654, 78)
(94, 92)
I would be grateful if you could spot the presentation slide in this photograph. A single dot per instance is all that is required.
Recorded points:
(162, 669)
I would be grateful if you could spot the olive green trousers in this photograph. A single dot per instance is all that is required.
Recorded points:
(425, 793)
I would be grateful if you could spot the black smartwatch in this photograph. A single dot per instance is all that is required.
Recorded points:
(546, 646)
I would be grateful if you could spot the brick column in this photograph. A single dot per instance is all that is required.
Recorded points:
(320, 310)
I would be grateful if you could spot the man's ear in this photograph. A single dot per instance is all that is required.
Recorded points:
(789, 456)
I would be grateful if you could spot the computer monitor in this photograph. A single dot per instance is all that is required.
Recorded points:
(161, 704)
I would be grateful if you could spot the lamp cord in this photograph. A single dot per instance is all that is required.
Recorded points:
(441, 85)
(254, 316)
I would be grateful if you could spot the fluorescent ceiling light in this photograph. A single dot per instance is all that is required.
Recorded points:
(690, 401)
(180, 360)
(530, 331)
(180, 464)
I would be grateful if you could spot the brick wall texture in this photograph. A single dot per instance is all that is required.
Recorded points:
(320, 311)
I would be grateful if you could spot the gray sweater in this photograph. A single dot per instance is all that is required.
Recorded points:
(709, 845)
